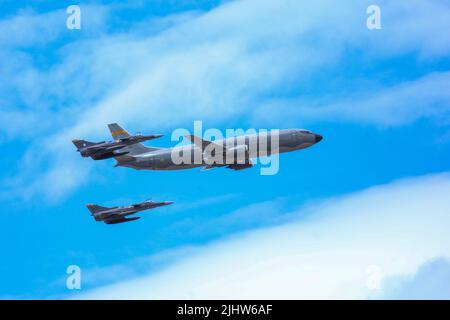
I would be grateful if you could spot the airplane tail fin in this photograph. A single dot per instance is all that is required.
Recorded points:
(82, 143)
(93, 208)
(118, 132)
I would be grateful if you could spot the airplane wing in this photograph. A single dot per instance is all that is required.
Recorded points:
(201, 143)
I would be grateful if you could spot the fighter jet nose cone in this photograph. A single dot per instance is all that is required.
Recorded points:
(318, 137)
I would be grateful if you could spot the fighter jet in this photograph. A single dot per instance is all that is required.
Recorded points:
(118, 214)
(140, 157)
(104, 150)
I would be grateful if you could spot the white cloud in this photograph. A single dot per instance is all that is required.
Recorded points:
(38, 78)
(323, 254)
(431, 281)
(398, 105)
(27, 28)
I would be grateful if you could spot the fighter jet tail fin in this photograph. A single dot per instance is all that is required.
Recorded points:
(118, 132)
(93, 208)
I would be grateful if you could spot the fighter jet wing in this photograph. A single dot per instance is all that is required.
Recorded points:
(201, 143)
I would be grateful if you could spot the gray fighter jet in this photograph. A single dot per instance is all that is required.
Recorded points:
(118, 214)
(141, 157)
(104, 150)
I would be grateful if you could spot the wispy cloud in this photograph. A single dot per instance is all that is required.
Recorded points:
(41, 82)
(189, 204)
(28, 28)
(325, 254)
(429, 282)
(396, 105)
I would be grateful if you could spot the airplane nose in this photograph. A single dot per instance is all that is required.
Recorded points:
(318, 137)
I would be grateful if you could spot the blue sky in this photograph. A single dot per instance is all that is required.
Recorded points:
(379, 97)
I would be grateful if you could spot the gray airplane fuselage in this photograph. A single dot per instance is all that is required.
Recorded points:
(161, 159)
